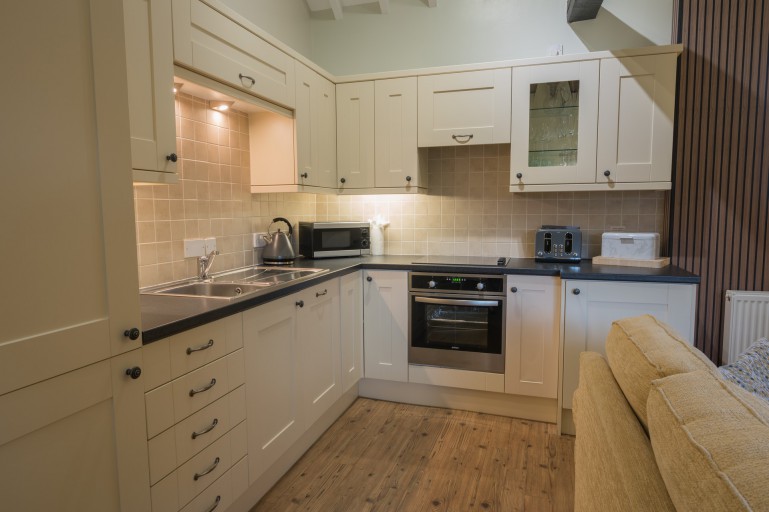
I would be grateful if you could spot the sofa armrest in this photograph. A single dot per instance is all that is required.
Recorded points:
(614, 463)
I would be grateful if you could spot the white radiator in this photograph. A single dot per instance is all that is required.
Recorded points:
(746, 319)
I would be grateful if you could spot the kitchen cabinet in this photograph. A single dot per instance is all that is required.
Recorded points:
(589, 308)
(464, 108)
(554, 123)
(71, 420)
(207, 41)
(385, 325)
(292, 369)
(149, 62)
(377, 137)
(351, 328)
(315, 129)
(599, 124)
(635, 124)
(355, 135)
(532, 335)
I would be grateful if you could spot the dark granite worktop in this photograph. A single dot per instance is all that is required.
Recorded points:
(163, 316)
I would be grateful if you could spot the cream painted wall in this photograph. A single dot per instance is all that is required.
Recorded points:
(467, 31)
(287, 20)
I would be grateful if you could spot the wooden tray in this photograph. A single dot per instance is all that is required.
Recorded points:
(625, 262)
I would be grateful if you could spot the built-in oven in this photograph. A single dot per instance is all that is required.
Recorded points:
(457, 321)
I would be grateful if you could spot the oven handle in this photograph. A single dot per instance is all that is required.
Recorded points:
(458, 302)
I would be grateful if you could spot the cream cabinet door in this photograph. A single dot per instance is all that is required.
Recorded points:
(319, 352)
(589, 308)
(72, 202)
(315, 129)
(351, 328)
(464, 108)
(209, 42)
(149, 59)
(635, 125)
(554, 124)
(532, 335)
(77, 442)
(399, 161)
(355, 134)
(385, 324)
(273, 393)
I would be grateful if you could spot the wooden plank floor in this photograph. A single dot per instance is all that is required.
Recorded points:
(383, 456)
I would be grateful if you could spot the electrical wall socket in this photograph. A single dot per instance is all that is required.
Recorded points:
(194, 248)
(210, 244)
(258, 239)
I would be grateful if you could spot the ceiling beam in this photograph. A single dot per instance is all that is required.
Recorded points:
(384, 6)
(336, 8)
(580, 10)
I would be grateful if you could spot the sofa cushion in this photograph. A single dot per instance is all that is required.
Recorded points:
(615, 467)
(711, 442)
(642, 349)
(751, 369)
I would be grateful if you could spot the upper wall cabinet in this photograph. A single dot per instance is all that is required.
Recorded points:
(377, 137)
(570, 133)
(315, 129)
(635, 125)
(464, 108)
(554, 127)
(149, 62)
(208, 42)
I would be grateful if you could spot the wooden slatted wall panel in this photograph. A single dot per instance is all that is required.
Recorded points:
(718, 224)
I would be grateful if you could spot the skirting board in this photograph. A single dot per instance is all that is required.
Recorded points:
(625, 262)
(567, 422)
(501, 404)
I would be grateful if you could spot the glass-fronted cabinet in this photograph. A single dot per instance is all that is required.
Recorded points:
(554, 123)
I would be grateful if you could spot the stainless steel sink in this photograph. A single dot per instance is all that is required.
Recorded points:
(212, 290)
(235, 284)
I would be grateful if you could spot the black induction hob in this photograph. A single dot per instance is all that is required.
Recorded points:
(463, 261)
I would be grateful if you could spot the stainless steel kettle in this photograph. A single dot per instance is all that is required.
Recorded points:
(278, 250)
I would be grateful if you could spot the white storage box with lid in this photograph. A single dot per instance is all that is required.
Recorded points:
(633, 246)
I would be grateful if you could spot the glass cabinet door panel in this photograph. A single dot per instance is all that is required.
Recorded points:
(555, 117)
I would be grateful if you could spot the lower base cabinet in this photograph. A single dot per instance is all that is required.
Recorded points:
(292, 359)
(385, 324)
(351, 328)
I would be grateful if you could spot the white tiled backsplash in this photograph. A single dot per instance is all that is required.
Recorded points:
(468, 209)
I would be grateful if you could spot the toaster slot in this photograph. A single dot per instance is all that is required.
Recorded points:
(568, 243)
(548, 243)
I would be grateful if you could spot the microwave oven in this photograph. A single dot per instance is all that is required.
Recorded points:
(334, 239)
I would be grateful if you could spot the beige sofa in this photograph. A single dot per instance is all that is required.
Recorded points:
(658, 428)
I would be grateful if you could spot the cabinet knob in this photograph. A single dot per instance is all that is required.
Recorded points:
(342, 180)
(132, 334)
(514, 289)
(575, 291)
(519, 175)
(408, 178)
(172, 157)
(369, 279)
(607, 173)
(300, 303)
(134, 372)
(303, 175)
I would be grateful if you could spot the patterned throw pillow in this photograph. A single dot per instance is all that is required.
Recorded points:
(751, 369)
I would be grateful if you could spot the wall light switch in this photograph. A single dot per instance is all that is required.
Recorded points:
(194, 247)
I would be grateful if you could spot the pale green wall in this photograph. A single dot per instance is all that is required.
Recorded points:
(287, 20)
(456, 32)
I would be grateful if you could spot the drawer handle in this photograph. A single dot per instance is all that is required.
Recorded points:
(206, 430)
(216, 504)
(242, 76)
(467, 138)
(207, 470)
(321, 294)
(208, 386)
(208, 345)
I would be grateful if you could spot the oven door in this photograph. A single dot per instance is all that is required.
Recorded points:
(452, 332)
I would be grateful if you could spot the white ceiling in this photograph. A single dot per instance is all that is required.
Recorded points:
(337, 6)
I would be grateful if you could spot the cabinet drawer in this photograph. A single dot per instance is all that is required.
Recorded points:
(186, 395)
(194, 348)
(222, 493)
(210, 42)
(176, 445)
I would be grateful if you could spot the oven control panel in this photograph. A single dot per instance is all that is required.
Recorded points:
(457, 283)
